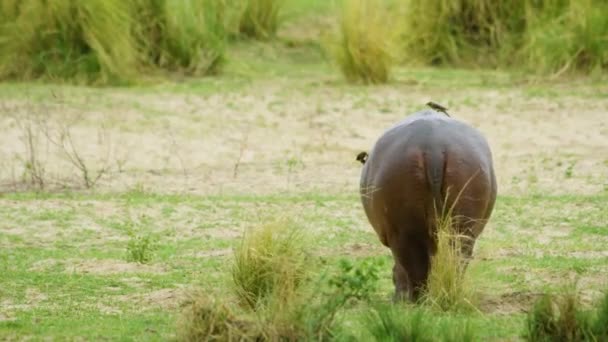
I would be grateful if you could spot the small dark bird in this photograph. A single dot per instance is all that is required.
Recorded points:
(438, 107)
(362, 157)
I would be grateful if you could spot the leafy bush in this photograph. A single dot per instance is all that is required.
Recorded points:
(362, 48)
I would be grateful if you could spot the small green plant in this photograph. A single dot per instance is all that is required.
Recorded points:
(569, 170)
(260, 18)
(140, 248)
(362, 48)
(270, 262)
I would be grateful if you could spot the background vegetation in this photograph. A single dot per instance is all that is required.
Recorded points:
(114, 41)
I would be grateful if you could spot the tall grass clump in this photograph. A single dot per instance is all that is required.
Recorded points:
(270, 264)
(84, 40)
(600, 323)
(547, 36)
(187, 36)
(362, 48)
(109, 41)
(559, 318)
(447, 287)
(566, 38)
(259, 19)
(459, 31)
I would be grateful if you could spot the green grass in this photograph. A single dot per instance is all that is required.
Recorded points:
(177, 256)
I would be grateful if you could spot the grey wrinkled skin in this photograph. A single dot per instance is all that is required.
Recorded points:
(416, 169)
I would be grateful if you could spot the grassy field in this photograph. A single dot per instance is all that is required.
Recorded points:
(188, 165)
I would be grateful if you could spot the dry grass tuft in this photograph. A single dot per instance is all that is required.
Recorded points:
(205, 319)
(270, 263)
(447, 287)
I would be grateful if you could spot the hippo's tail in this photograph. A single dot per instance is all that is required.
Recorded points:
(435, 161)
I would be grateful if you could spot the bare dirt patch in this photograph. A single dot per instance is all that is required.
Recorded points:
(213, 253)
(303, 140)
(168, 299)
(508, 303)
(109, 266)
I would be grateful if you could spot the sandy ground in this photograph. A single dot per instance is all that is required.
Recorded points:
(296, 139)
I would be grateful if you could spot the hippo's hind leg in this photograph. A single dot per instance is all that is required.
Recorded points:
(412, 265)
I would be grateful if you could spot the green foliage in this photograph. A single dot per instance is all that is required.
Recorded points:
(386, 323)
(109, 41)
(549, 36)
(311, 315)
(141, 244)
(260, 18)
(140, 248)
(362, 48)
(270, 263)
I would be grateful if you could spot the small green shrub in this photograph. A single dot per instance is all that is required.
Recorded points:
(270, 262)
(260, 18)
(362, 48)
(140, 248)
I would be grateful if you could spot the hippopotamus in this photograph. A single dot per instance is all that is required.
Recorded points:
(426, 165)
